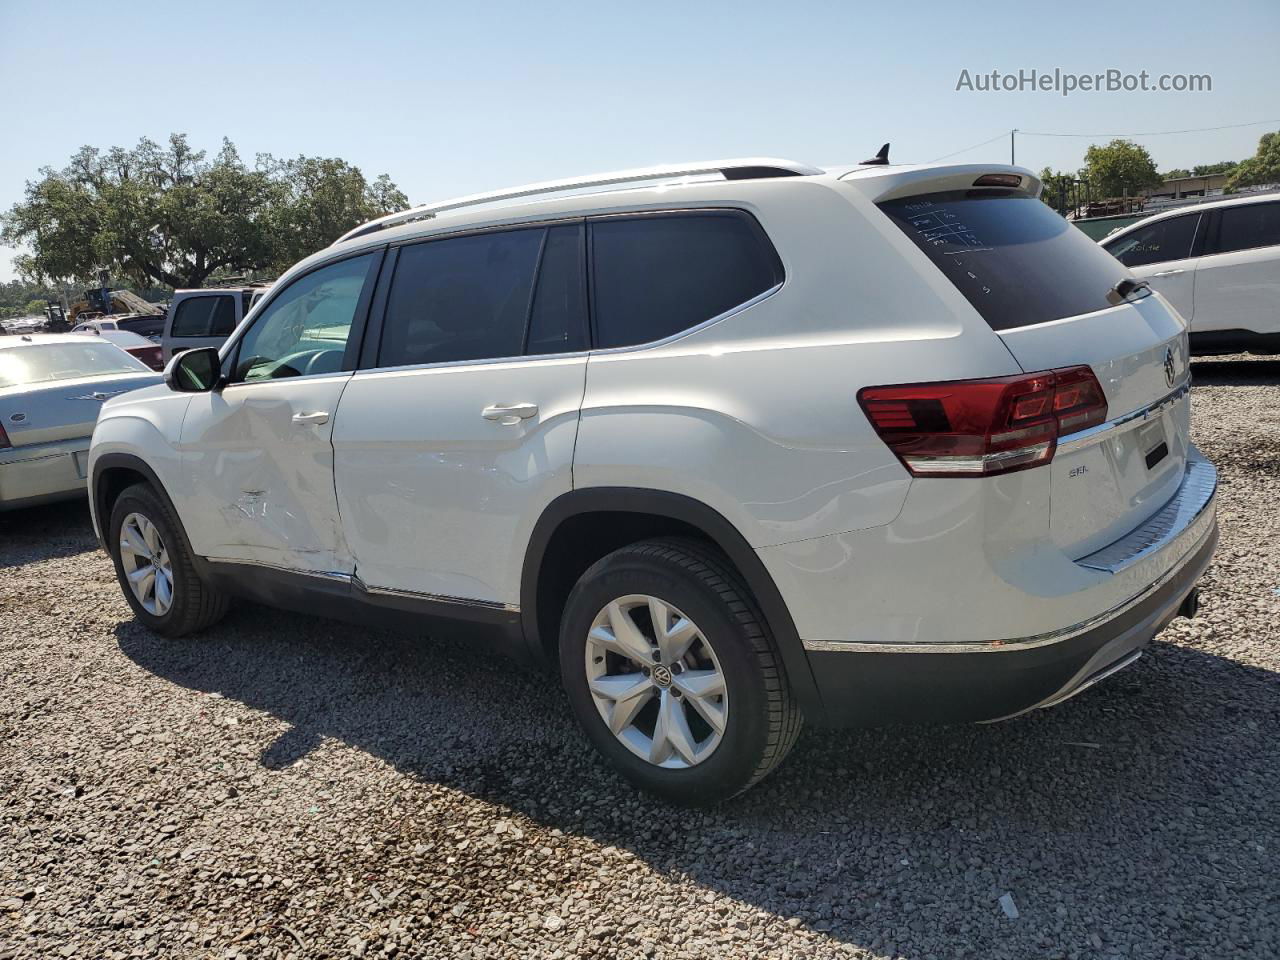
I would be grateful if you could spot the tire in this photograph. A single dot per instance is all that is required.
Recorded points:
(690, 762)
(193, 604)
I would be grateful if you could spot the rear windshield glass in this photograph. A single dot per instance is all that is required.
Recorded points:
(1012, 257)
(43, 362)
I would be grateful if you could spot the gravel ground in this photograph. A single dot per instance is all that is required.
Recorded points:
(286, 787)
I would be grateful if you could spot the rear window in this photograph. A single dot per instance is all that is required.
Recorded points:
(1012, 257)
(656, 275)
(46, 362)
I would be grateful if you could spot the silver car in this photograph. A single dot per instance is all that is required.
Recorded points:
(51, 388)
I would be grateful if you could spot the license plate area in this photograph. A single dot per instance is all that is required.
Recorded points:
(1152, 442)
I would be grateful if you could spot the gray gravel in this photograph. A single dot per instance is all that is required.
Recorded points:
(287, 787)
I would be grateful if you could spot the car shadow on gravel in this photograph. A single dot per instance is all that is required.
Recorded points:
(1254, 372)
(1129, 805)
(45, 532)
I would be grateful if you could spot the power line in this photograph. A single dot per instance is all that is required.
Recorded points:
(998, 136)
(1151, 133)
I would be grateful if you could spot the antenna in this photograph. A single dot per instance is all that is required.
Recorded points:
(880, 159)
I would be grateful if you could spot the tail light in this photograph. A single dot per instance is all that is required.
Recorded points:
(4, 439)
(151, 356)
(979, 428)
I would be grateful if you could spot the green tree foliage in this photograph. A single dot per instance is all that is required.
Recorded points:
(323, 198)
(1262, 168)
(1118, 168)
(173, 216)
(1177, 173)
(1058, 191)
(1212, 169)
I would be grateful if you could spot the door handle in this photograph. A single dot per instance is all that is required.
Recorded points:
(320, 416)
(510, 414)
(1169, 273)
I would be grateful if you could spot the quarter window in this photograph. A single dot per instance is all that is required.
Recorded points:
(212, 316)
(1248, 226)
(654, 276)
(1165, 240)
(304, 330)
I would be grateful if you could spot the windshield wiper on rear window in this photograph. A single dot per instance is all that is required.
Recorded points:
(1126, 288)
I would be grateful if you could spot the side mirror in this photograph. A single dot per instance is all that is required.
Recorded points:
(194, 371)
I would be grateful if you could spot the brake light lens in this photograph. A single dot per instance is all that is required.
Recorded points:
(4, 439)
(980, 428)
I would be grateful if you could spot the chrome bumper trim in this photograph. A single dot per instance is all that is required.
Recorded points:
(1204, 530)
(1165, 525)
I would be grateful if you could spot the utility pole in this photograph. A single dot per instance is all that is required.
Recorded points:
(1012, 150)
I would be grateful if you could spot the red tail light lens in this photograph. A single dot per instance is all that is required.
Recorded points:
(4, 439)
(968, 428)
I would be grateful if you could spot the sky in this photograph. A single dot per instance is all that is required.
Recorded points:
(461, 97)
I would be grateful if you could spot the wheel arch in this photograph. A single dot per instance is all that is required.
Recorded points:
(112, 474)
(546, 578)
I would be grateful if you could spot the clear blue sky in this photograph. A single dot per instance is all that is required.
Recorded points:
(453, 98)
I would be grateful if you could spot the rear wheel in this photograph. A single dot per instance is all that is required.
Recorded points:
(153, 563)
(672, 672)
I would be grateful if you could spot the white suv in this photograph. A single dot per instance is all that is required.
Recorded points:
(1218, 264)
(735, 444)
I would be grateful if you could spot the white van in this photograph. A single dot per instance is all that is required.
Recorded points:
(205, 318)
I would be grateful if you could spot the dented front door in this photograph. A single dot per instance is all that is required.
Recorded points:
(258, 463)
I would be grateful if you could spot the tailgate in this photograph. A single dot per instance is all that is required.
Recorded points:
(1108, 480)
(1050, 294)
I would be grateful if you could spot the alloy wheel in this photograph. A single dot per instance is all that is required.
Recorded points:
(656, 681)
(147, 568)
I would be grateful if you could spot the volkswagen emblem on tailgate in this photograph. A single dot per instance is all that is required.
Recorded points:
(1168, 365)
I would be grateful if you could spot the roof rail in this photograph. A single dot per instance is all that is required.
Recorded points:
(749, 168)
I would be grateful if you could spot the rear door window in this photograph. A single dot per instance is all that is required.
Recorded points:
(1164, 240)
(1016, 260)
(461, 298)
(208, 316)
(656, 275)
(1246, 227)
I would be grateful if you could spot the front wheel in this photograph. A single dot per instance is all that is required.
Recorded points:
(672, 672)
(154, 565)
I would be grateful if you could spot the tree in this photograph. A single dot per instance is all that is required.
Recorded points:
(1118, 168)
(1261, 169)
(1212, 169)
(1059, 189)
(324, 198)
(174, 217)
(1175, 174)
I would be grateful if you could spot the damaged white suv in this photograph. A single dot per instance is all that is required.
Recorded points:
(735, 444)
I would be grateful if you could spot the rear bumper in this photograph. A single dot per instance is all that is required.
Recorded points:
(39, 474)
(869, 689)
